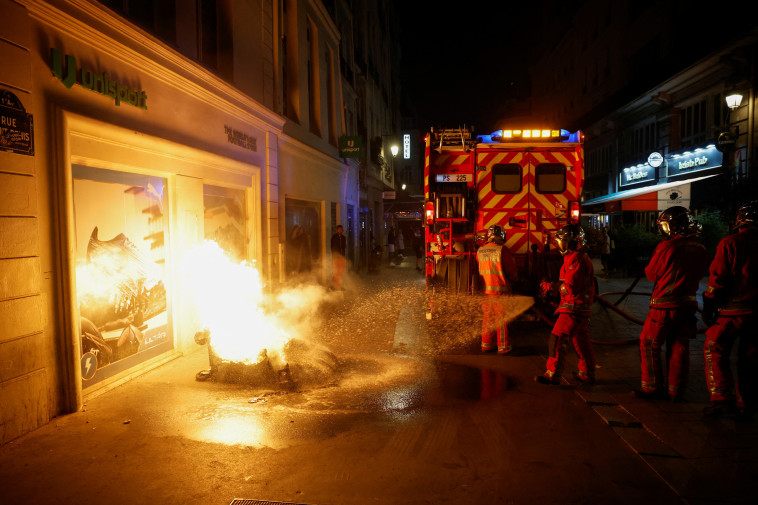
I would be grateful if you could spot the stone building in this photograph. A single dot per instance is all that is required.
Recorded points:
(135, 130)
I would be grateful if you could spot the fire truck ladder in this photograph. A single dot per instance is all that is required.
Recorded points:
(455, 138)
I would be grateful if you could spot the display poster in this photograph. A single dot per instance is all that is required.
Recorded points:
(121, 236)
(224, 219)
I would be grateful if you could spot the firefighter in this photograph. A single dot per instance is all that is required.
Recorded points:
(498, 270)
(730, 304)
(577, 292)
(679, 262)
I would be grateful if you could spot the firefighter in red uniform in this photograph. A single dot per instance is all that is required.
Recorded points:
(498, 270)
(679, 262)
(730, 304)
(577, 290)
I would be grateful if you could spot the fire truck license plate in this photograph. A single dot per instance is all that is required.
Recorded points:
(455, 177)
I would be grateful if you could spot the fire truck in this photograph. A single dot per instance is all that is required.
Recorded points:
(527, 181)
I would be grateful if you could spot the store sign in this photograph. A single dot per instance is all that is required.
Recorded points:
(389, 195)
(406, 146)
(94, 81)
(679, 195)
(702, 158)
(636, 175)
(655, 159)
(16, 126)
(241, 139)
(726, 142)
(351, 147)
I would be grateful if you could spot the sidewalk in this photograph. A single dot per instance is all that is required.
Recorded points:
(704, 460)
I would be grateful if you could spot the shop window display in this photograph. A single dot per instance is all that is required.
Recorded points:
(120, 225)
(224, 219)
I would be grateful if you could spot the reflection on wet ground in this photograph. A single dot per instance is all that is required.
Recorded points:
(374, 387)
(391, 367)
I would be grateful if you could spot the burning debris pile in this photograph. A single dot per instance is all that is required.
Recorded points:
(251, 338)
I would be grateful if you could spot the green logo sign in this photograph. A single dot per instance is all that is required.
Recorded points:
(351, 147)
(98, 82)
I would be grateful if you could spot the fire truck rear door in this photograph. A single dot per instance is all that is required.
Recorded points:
(503, 195)
(555, 177)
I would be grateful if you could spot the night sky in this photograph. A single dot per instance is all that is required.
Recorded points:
(459, 64)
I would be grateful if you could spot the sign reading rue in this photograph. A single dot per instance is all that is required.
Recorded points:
(16, 126)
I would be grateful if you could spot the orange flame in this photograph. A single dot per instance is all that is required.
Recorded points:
(229, 301)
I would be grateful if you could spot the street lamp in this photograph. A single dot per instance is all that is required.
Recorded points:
(394, 148)
(733, 101)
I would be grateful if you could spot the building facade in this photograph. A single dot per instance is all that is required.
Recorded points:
(647, 83)
(131, 135)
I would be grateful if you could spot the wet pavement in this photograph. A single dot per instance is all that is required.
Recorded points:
(408, 417)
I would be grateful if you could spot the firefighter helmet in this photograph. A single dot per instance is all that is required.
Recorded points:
(569, 238)
(747, 215)
(496, 234)
(677, 220)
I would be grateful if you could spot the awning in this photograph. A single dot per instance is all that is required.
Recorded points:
(639, 194)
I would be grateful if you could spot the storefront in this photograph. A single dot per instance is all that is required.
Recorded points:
(130, 215)
(662, 182)
(135, 156)
(317, 196)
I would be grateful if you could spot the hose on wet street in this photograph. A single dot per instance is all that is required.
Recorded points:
(600, 298)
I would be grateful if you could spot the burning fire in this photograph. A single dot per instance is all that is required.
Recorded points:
(229, 302)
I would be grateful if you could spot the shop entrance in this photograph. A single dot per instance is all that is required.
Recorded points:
(303, 228)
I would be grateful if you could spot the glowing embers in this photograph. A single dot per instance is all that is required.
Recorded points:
(252, 338)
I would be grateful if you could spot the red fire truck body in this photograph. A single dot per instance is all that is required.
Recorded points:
(527, 181)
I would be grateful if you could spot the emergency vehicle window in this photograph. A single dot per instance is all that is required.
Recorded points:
(506, 178)
(550, 178)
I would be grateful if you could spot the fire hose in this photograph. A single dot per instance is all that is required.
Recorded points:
(613, 306)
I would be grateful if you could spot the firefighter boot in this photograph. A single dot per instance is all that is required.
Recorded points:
(544, 379)
(583, 378)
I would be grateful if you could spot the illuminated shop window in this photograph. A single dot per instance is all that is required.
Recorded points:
(225, 221)
(121, 224)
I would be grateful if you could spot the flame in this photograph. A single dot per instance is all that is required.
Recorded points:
(229, 301)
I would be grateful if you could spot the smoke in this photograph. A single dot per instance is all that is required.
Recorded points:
(248, 326)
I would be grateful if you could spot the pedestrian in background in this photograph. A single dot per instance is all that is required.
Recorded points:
(577, 292)
(390, 245)
(679, 262)
(400, 242)
(498, 270)
(730, 304)
(338, 248)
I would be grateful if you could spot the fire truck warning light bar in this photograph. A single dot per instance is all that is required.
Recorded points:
(530, 135)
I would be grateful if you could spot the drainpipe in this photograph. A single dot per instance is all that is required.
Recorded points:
(751, 114)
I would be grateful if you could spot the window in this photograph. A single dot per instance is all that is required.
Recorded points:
(550, 178)
(693, 127)
(314, 92)
(506, 178)
(225, 219)
(331, 97)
